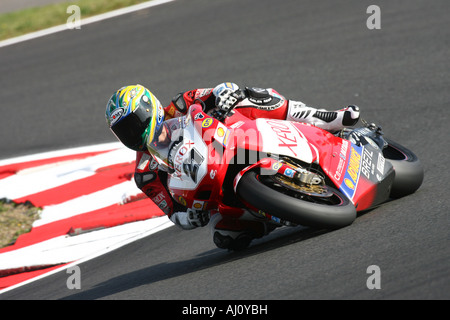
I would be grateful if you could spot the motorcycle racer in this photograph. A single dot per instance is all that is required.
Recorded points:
(141, 123)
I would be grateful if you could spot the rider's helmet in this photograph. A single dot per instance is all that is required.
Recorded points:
(134, 115)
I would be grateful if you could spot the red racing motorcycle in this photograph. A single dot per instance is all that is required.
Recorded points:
(286, 173)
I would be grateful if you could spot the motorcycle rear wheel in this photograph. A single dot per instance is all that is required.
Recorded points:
(332, 211)
(408, 169)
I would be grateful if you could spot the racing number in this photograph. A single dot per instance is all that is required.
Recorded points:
(192, 164)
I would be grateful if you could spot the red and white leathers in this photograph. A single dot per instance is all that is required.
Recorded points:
(256, 103)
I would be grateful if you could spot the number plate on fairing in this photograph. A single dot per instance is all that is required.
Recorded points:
(190, 160)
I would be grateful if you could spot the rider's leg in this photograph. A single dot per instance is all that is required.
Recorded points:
(327, 120)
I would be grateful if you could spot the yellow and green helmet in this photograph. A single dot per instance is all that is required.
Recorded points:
(134, 115)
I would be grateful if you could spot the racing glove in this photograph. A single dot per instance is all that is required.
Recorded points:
(227, 95)
(190, 219)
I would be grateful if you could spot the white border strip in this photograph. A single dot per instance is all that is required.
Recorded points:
(125, 234)
(93, 19)
(63, 152)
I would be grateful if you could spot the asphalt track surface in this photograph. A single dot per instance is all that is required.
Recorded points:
(54, 90)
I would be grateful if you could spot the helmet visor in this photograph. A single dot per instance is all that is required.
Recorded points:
(129, 129)
(171, 133)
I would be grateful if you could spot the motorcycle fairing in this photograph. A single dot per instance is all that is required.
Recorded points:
(376, 178)
(360, 172)
(209, 146)
(280, 137)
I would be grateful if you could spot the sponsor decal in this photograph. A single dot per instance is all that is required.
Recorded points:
(286, 137)
(342, 158)
(352, 173)
(202, 92)
(349, 184)
(288, 172)
(354, 164)
(172, 112)
(222, 134)
(153, 165)
(261, 101)
(282, 137)
(380, 164)
(368, 167)
(116, 115)
(225, 139)
(207, 122)
(198, 205)
(160, 201)
(160, 114)
(199, 116)
(181, 200)
(276, 166)
(162, 205)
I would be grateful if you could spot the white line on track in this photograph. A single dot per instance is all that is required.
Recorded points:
(93, 19)
(90, 245)
(62, 152)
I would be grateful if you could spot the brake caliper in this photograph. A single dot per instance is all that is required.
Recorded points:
(307, 177)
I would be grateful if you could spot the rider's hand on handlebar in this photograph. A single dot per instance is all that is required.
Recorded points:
(227, 99)
(190, 219)
(198, 218)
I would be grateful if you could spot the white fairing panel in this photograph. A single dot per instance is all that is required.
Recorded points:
(190, 160)
(282, 137)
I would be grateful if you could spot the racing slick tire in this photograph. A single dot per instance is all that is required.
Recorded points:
(408, 169)
(256, 190)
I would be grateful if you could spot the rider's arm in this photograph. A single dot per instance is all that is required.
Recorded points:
(154, 183)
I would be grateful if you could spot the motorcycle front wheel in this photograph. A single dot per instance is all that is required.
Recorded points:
(328, 208)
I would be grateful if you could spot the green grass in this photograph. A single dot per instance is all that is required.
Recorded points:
(13, 24)
(15, 220)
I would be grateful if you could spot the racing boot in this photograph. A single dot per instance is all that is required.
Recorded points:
(240, 242)
(328, 120)
(235, 234)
